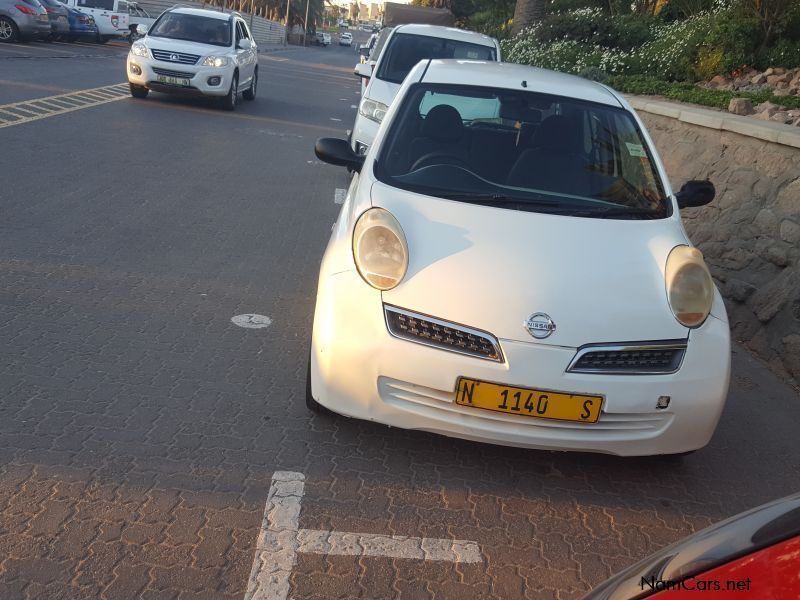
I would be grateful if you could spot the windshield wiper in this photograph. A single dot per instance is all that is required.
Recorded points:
(618, 211)
(500, 199)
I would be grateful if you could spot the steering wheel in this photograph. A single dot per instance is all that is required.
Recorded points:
(438, 158)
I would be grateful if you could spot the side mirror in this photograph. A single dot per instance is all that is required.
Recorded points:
(338, 152)
(695, 193)
(141, 29)
(244, 44)
(363, 70)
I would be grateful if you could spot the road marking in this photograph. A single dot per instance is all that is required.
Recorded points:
(339, 195)
(335, 119)
(51, 106)
(281, 539)
(252, 321)
(354, 106)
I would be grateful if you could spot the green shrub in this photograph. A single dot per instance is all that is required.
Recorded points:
(735, 38)
(783, 54)
(686, 92)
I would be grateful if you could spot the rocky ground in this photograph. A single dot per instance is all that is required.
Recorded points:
(781, 82)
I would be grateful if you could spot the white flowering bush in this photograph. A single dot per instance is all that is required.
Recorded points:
(669, 52)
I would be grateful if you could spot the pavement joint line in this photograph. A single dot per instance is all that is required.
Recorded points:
(70, 102)
(281, 539)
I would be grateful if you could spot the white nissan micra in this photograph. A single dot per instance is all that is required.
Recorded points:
(509, 266)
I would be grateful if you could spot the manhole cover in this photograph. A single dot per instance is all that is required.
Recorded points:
(252, 321)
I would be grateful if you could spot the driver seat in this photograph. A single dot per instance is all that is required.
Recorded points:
(442, 132)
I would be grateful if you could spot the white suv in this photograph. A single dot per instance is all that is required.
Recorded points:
(196, 51)
(405, 46)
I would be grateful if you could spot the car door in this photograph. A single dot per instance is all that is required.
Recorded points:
(245, 58)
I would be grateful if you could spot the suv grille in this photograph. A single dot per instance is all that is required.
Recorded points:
(441, 334)
(634, 359)
(168, 73)
(180, 57)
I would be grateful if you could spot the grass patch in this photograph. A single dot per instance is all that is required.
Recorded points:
(688, 92)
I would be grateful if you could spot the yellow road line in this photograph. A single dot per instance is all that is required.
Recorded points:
(51, 106)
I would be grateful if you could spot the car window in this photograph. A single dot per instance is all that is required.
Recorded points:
(470, 108)
(246, 31)
(239, 32)
(522, 150)
(377, 42)
(406, 50)
(193, 28)
(103, 4)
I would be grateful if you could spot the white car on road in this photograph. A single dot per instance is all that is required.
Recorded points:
(196, 51)
(509, 266)
(346, 39)
(404, 47)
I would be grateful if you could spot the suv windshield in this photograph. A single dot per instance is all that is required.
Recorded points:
(522, 150)
(406, 50)
(192, 28)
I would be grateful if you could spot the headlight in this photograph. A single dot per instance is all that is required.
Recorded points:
(139, 49)
(374, 111)
(215, 61)
(690, 289)
(380, 249)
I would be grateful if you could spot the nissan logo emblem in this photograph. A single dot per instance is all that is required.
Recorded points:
(540, 325)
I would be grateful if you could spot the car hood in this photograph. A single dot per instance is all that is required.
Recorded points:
(160, 43)
(599, 280)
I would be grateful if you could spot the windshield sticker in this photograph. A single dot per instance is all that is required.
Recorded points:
(636, 150)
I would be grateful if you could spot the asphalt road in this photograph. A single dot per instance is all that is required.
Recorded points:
(140, 428)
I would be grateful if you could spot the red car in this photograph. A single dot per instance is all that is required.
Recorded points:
(753, 555)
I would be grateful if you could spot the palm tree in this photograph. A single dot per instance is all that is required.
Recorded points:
(526, 13)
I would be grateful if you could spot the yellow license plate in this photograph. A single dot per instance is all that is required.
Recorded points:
(529, 402)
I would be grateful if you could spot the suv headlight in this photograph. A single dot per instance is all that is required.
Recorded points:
(139, 49)
(374, 111)
(690, 289)
(380, 249)
(215, 61)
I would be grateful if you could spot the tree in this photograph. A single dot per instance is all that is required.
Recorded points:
(526, 13)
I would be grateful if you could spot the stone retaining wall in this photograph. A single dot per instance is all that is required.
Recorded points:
(750, 234)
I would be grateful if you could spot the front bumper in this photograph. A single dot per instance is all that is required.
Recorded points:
(359, 370)
(198, 79)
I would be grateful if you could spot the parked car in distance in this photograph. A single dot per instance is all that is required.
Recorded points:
(509, 266)
(59, 18)
(346, 39)
(402, 48)
(322, 39)
(81, 26)
(23, 19)
(196, 51)
(755, 554)
(137, 16)
(110, 17)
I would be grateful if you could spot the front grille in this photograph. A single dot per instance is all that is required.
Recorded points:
(440, 334)
(168, 73)
(650, 358)
(176, 57)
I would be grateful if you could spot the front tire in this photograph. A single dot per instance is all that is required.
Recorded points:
(8, 30)
(250, 93)
(138, 91)
(229, 101)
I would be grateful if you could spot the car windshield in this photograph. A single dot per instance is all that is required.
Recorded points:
(522, 150)
(406, 50)
(192, 28)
